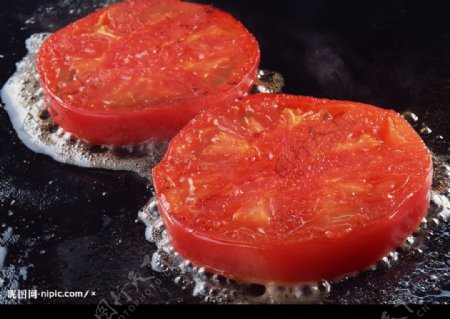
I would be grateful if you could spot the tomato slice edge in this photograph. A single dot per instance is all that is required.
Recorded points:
(407, 214)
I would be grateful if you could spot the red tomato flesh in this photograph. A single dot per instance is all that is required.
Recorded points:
(141, 69)
(287, 189)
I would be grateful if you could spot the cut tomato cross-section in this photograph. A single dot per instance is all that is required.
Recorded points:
(286, 189)
(141, 69)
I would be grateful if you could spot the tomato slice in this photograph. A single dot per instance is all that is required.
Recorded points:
(141, 69)
(285, 189)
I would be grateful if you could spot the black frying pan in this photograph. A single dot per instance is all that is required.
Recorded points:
(77, 228)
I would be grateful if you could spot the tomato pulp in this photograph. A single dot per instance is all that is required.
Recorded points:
(141, 69)
(286, 189)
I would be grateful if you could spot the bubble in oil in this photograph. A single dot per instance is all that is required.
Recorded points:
(425, 130)
(268, 82)
(217, 289)
(412, 286)
(411, 117)
(26, 109)
(25, 105)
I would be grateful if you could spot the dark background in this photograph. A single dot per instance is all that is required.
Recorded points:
(392, 54)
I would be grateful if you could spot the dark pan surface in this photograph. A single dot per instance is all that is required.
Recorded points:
(77, 227)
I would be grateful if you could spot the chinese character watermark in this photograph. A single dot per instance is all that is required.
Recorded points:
(122, 294)
(407, 313)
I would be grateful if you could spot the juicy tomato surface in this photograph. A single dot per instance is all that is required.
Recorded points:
(286, 189)
(141, 69)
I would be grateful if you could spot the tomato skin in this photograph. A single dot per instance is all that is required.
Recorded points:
(293, 262)
(135, 71)
(275, 257)
(132, 127)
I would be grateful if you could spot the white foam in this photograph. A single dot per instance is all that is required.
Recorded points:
(443, 205)
(9, 274)
(24, 102)
(186, 275)
(210, 287)
(7, 235)
(23, 272)
(3, 252)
